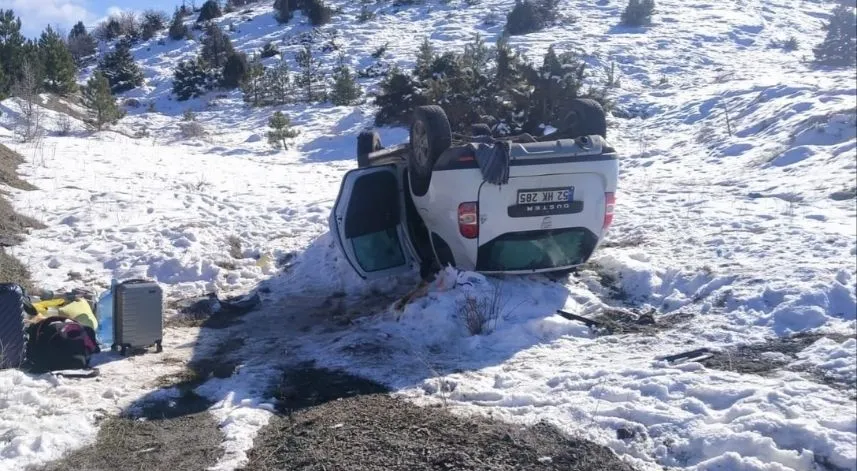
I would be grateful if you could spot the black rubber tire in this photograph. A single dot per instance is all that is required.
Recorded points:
(367, 142)
(431, 134)
(585, 118)
(480, 129)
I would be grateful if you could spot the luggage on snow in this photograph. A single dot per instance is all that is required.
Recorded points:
(12, 340)
(59, 343)
(77, 309)
(138, 315)
(59, 334)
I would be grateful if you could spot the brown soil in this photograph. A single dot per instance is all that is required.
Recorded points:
(335, 421)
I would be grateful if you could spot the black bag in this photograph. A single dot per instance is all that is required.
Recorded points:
(11, 326)
(58, 343)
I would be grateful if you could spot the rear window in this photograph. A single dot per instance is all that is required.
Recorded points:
(537, 250)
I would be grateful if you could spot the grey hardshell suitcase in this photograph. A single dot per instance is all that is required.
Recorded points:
(138, 315)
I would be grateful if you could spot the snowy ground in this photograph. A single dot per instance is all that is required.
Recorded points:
(732, 224)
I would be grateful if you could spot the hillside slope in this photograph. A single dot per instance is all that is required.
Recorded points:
(735, 225)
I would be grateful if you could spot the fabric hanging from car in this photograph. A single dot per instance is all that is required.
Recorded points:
(493, 160)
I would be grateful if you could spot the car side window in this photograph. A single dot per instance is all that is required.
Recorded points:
(378, 251)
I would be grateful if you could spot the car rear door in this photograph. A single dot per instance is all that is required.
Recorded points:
(367, 222)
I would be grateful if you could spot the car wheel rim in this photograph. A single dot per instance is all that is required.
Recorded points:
(420, 146)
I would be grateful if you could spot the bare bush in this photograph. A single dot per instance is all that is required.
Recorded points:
(480, 313)
(235, 250)
(129, 21)
(64, 124)
(124, 23)
(192, 130)
(27, 90)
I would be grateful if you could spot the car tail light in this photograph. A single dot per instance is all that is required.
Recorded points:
(609, 204)
(468, 220)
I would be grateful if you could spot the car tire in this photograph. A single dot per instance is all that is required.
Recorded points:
(367, 142)
(431, 134)
(585, 118)
(480, 129)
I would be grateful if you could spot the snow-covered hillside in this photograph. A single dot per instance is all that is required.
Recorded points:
(736, 210)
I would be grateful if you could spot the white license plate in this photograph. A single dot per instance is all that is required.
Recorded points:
(547, 195)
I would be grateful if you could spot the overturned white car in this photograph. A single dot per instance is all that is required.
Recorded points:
(511, 205)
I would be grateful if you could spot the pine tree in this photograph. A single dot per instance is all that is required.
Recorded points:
(210, 10)
(100, 102)
(81, 44)
(120, 69)
(458, 86)
(345, 91)
(511, 88)
(59, 71)
(11, 49)
(318, 13)
(310, 77)
(79, 29)
(555, 84)
(425, 58)
(508, 70)
(476, 54)
(398, 98)
(109, 30)
(178, 30)
(216, 46)
(233, 5)
(638, 12)
(269, 50)
(191, 79)
(153, 21)
(283, 11)
(522, 19)
(281, 130)
(234, 70)
(839, 48)
(278, 84)
(253, 85)
(528, 16)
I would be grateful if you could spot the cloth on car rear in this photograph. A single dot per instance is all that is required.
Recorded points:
(494, 160)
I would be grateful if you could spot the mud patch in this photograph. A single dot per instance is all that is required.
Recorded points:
(211, 312)
(764, 358)
(13, 271)
(176, 434)
(634, 240)
(12, 224)
(634, 321)
(198, 371)
(337, 421)
(9, 161)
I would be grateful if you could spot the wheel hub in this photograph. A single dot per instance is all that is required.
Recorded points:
(420, 145)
